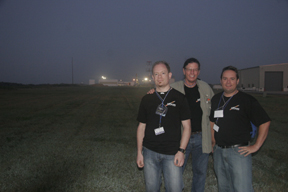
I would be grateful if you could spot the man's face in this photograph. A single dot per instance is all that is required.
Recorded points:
(161, 76)
(191, 72)
(229, 81)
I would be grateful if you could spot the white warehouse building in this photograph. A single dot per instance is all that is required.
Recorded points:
(265, 78)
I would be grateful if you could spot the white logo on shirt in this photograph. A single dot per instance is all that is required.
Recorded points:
(171, 104)
(235, 108)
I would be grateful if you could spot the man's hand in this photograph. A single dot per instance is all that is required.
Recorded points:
(262, 134)
(140, 160)
(179, 159)
(247, 150)
(140, 135)
(151, 91)
(213, 144)
(213, 141)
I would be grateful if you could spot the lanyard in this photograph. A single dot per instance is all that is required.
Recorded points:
(162, 104)
(225, 103)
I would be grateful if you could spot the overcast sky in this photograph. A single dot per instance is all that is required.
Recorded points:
(116, 38)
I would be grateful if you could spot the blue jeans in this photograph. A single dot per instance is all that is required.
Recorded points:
(154, 165)
(233, 171)
(199, 162)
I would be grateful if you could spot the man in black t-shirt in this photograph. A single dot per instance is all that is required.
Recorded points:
(160, 145)
(231, 115)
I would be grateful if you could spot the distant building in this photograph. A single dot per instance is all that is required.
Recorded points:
(265, 78)
(108, 82)
(126, 83)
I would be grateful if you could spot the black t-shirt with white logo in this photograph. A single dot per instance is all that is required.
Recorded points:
(193, 98)
(178, 110)
(235, 127)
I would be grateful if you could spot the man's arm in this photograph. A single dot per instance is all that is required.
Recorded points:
(212, 135)
(262, 135)
(179, 157)
(140, 136)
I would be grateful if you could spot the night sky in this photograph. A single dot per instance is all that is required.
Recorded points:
(116, 38)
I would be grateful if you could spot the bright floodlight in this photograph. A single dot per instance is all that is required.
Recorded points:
(103, 77)
(145, 79)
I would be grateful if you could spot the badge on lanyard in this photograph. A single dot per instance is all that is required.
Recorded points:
(216, 127)
(218, 114)
(161, 110)
(159, 131)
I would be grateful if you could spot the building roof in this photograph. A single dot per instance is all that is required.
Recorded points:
(264, 65)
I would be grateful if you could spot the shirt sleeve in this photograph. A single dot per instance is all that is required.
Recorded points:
(258, 115)
(211, 117)
(142, 114)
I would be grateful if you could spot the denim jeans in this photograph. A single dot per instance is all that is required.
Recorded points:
(154, 165)
(199, 162)
(233, 171)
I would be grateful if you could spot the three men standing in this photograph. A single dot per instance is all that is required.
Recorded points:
(159, 132)
(231, 115)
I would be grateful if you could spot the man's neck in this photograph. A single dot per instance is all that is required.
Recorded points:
(190, 84)
(163, 89)
(230, 94)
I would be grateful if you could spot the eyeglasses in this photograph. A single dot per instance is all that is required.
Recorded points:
(190, 70)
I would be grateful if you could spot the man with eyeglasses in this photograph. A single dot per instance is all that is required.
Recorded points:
(198, 94)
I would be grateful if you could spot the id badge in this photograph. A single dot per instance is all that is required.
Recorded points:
(161, 110)
(218, 113)
(216, 127)
(159, 131)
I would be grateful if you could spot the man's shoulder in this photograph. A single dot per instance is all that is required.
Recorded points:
(148, 97)
(247, 96)
(202, 83)
(177, 83)
(218, 95)
(177, 93)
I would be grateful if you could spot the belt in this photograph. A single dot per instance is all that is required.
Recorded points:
(233, 146)
(195, 132)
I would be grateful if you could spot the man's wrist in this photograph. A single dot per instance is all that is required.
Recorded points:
(182, 150)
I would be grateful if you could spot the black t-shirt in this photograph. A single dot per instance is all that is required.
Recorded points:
(178, 110)
(193, 98)
(235, 127)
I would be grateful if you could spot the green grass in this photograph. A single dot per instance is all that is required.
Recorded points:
(83, 138)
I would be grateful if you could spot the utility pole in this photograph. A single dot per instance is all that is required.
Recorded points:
(72, 73)
(148, 69)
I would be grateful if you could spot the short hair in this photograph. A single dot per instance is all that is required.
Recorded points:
(232, 68)
(191, 60)
(161, 62)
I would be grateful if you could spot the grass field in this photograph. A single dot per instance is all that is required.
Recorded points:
(83, 138)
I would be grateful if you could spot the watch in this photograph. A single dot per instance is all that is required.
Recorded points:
(182, 150)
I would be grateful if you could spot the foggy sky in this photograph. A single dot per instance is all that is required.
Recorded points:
(116, 38)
